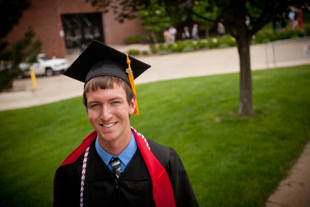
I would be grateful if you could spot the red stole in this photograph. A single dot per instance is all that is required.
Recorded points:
(162, 189)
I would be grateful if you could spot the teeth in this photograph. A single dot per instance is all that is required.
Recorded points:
(109, 125)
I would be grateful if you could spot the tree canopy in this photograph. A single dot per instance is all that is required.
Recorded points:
(10, 13)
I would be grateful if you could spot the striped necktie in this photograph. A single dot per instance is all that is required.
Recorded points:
(116, 166)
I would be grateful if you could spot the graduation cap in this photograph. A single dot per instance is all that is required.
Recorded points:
(99, 59)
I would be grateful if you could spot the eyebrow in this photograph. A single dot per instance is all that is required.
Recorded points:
(115, 98)
(111, 99)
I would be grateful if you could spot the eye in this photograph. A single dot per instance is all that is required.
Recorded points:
(95, 105)
(115, 102)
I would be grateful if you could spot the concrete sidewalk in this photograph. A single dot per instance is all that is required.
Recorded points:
(294, 191)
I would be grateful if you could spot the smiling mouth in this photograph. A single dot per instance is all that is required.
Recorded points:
(108, 125)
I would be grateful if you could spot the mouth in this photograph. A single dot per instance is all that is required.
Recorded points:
(108, 125)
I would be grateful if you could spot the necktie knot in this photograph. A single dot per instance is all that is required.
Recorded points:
(116, 166)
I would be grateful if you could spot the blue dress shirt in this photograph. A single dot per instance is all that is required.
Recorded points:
(124, 156)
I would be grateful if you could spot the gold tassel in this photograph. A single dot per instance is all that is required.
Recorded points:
(132, 83)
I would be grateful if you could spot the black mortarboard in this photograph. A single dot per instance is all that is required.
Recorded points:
(99, 59)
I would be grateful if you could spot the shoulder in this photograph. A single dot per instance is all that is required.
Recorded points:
(158, 149)
(75, 168)
(165, 155)
(72, 169)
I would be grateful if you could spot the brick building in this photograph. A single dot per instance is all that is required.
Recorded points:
(65, 24)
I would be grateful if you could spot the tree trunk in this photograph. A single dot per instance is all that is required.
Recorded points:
(245, 99)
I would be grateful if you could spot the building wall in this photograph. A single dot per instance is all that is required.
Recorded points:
(45, 18)
(115, 32)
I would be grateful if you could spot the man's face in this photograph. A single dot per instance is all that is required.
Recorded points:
(108, 112)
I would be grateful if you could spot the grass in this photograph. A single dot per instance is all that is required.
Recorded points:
(231, 160)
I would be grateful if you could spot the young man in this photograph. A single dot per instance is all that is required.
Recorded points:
(115, 165)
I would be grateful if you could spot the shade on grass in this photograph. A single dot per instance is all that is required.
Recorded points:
(231, 160)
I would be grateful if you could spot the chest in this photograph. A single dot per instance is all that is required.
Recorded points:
(133, 188)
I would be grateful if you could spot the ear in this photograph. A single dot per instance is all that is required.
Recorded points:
(132, 105)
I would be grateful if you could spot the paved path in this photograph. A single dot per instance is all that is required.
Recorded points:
(294, 191)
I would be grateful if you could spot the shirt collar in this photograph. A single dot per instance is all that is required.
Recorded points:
(125, 156)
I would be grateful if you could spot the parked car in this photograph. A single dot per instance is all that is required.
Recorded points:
(45, 65)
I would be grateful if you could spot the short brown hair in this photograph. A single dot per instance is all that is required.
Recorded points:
(106, 82)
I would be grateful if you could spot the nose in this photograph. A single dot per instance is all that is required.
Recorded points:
(106, 113)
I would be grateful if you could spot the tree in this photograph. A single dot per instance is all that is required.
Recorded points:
(155, 19)
(12, 55)
(10, 13)
(233, 14)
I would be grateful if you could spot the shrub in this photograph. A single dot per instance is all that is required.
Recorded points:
(265, 40)
(219, 40)
(133, 52)
(172, 47)
(229, 41)
(145, 52)
(191, 43)
(188, 49)
(133, 39)
(300, 33)
(272, 36)
(180, 46)
(163, 47)
(223, 45)
(267, 36)
(212, 43)
(259, 36)
(202, 44)
(307, 30)
(7, 77)
(154, 49)
(283, 35)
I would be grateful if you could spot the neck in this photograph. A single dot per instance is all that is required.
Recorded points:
(114, 147)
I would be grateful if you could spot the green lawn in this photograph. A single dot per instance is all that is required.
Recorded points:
(231, 161)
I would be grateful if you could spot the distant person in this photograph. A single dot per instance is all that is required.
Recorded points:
(153, 38)
(291, 17)
(173, 32)
(299, 19)
(185, 33)
(166, 35)
(195, 35)
(275, 22)
(247, 20)
(283, 21)
(220, 29)
(115, 165)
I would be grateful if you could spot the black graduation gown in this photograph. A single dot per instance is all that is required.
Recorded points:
(134, 187)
